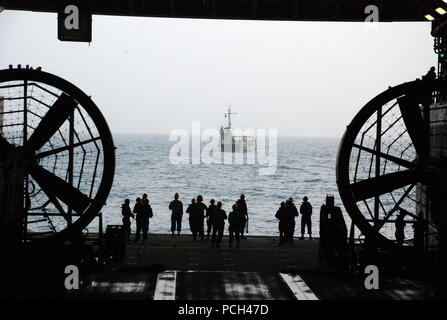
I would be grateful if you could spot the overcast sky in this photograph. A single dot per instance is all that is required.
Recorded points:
(151, 75)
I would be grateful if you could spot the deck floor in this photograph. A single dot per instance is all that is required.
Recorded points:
(180, 268)
(259, 254)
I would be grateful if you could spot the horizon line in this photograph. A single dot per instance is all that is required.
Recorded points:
(167, 134)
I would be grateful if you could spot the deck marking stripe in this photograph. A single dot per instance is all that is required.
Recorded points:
(298, 287)
(165, 287)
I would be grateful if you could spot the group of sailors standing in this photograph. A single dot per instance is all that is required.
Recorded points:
(286, 215)
(143, 212)
(198, 212)
(215, 217)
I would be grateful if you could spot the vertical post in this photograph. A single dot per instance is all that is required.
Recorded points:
(25, 140)
(100, 227)
(25, 112)
(437, 206)
(70, 161)
(2, 109)
(377, 171)
(100, 240)
(428, 191)
(351, 244)
(11, 213)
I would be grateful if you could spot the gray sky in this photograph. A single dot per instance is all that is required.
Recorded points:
(151, 75)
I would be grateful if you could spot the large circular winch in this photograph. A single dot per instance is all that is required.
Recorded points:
(58, 141)
(384, 164)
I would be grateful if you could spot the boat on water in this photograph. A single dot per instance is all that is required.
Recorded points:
(232, 142)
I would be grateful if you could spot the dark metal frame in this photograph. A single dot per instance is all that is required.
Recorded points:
(292, 10)
(67, 88)
(347, 144)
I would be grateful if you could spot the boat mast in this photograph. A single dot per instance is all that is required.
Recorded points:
(228, 115)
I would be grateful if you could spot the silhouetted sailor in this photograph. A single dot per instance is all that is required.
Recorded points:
(306, 220)
(430, 75)
(400, 228)
(290, 213)
(209, 218)
(280, 215)
(137, 209)
(137, 205)
(143, 220)
(199, 215)
(333, 235)
(234, 228)
(190, 211)
(219, 216)
(242, 208)
(126, 212)
(176, 206)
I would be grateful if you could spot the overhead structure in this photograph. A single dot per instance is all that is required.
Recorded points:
(385, 166)
(294, 10)
(57, 156)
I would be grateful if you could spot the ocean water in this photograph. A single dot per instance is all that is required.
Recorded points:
(305, 167)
